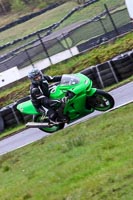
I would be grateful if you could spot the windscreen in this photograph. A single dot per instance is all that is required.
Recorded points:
(69, 80)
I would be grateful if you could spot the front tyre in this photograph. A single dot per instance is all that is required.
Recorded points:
(48, 129)
(101, 101)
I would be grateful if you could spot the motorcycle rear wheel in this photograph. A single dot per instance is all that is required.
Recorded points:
(48, 129)
(101, 101)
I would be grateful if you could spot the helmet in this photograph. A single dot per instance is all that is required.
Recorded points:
(35, 75)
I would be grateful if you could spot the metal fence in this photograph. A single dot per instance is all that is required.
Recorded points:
(84, 35)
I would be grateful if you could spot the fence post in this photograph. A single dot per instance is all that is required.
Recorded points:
(44, 48)
(111, 19)
(67, 44)
(15, 116)
(29, 58)
(102, 24)
(113, 72)
(99, 76)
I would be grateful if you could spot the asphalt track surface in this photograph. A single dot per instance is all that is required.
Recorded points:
(122, 95)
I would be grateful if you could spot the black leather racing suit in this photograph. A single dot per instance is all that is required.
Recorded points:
(40, 95)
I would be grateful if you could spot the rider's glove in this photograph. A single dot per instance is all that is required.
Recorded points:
(54, 102)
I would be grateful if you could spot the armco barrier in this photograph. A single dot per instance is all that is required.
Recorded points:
(102, 75)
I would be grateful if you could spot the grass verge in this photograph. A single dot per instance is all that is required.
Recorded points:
(91, 160)
(51, 17)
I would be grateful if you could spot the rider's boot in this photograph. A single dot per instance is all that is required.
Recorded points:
(53, 117)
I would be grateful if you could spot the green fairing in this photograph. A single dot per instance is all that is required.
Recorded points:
(75, 106)
(27, 108)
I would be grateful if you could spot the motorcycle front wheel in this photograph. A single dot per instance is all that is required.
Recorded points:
(101, 101)
(49, 129)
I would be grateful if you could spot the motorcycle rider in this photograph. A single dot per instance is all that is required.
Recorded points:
(40, 93)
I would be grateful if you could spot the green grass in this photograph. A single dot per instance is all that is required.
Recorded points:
(52, 17)
(12, 130)
(92, 160)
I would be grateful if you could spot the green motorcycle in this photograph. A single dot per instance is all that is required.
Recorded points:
(78, 99)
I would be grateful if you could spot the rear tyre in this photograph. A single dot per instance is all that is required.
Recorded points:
(101, 101)
(48, 129)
